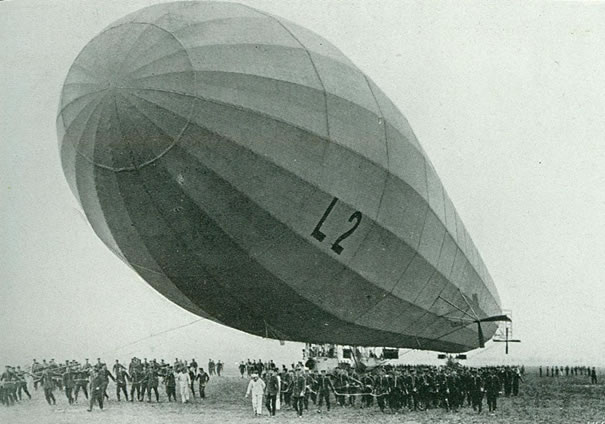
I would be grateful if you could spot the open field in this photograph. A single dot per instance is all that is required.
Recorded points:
(542, 400)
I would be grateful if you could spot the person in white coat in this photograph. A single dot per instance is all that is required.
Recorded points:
(184, 382)
(256, 388)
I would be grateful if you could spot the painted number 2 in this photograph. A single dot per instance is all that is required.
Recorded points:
(336, 247)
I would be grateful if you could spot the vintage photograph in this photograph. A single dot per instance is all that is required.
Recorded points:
(336, 211)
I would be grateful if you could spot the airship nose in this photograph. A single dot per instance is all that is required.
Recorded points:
(128, 96)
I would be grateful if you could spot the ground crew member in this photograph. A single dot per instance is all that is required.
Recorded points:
(122, 379)
(203, 378)
(68, 384)
(97, 388)
(324, 386)
(492, 388)
(272, 388)
(184, 383)
(256, 388)
(299, 387)
(170, 383)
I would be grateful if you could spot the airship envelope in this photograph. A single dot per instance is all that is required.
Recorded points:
(252, 174)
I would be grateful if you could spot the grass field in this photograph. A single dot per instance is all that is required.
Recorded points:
(542, 400)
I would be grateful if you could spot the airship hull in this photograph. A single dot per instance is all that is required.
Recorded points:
(249, 172)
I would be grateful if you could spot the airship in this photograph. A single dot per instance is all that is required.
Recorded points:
(249, 172)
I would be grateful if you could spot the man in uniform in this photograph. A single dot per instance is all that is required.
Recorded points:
(272, 389)
(367, 387)
(21, 383)
(48, 384)
(299, 387)
(324, 386)
(105, 375)
(492, 388)
(122, 378)
(9, 387)
(97, 388)
(152, 380)
(476, 390)
(69, 384)
(341, 386)
(203, 378)
(36, 369)
(136, 379)
(170, 384)
(81, 382)
(516, 378)
(381, 388)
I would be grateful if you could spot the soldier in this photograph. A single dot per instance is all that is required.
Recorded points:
(143, 381)
(516, 378)
(203, 378)
(354, 387)
(152, 381)
(122, 378)
(136, 380)
(341, 386)
(81, 382)
(286, 386)
(271, 390)
(242, 368)
(36, 369)
(507, 376)
(219, 368)
(170, 384)
(367, 386)
(396, 394)
(48, 384)
(476, 389)
(97, 388)
(8, 386)
(299, 388)
(69, 384)
(105, 375)
(381, 388)
(309, 383)
(593, 376)
(117, 366)
(492, 388)
(324, 387)
(21, 383)
(192, 377)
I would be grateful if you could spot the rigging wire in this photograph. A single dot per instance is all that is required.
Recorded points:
(154, 335)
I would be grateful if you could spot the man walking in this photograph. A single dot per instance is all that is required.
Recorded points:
(184, 382)
(299, 387)
(324, 386)
(256, 388)
(272, 390)
(122, 378)
(203, 378)
(97, 388)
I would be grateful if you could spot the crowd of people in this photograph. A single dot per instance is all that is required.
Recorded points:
(275, 388)
(559, 370)
(143, 376)
(390, 388)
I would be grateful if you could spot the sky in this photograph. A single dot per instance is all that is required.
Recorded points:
(506, 98)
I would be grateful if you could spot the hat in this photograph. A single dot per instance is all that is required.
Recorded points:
(254, 374)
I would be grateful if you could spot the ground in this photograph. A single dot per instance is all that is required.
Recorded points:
(542, 400)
